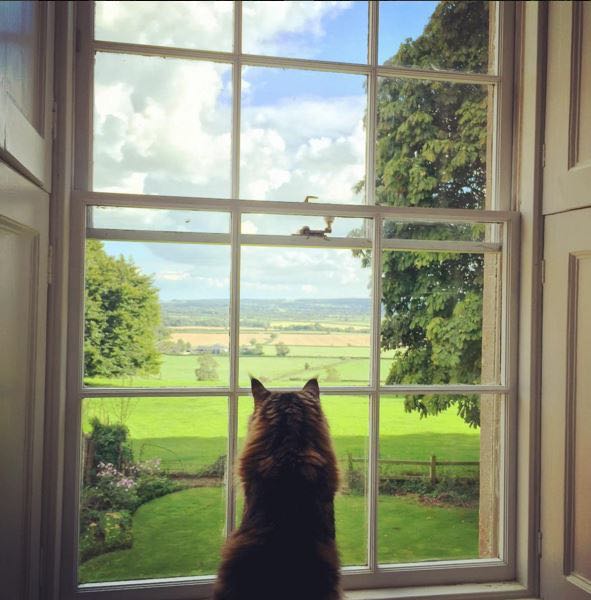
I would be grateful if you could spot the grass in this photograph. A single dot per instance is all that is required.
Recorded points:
(181, 534)
(351, 363)
(190, 433)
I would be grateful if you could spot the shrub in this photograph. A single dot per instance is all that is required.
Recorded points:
(110, 444)
(151, 483)
(216, 469)
(116, 529)
(106, 531)
(113, 491)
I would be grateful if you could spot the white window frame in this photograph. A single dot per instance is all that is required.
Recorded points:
(374, 575)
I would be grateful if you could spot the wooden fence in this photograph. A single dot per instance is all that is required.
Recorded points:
(432, 464)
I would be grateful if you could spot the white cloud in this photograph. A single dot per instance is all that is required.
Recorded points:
(299, 147)
(203, 25)
(163, 119)
(267, 23)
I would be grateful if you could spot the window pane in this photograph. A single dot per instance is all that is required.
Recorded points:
(304, 312)
(149, 219)
(453, 232)
(156, 315)
(300, 224)
(314, 30)
(432, 144)
(446, 35)
(198, 25)
(161, 126)
(438, 478)
(302, 134)
(20, 32)
(440, 317)
(348, 419)
(152, 504)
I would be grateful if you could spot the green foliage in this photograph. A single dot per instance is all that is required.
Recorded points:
(151, 483)
(281, 349)
(253, 349)
(122, 316)
(216, 469)
(431, 152)
(332, 375)
(110, 444)
(207, 368)
(108, 531)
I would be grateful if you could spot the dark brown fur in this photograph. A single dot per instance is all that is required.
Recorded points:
(285, 546)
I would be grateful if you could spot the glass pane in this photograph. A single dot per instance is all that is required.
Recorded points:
(438, 477)
(161, 126)
(197, 25)
(348, 419)
(440, 317)
(150, 219)
(456, 232)
(454, 36)
(302, 134)
(314, 30)
(304, 312)
(156, 315)
(432, 144)
(20, 28)
(306, 226)
(152, 503)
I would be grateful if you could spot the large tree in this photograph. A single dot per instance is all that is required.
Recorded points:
(431, 152)
(122, 316)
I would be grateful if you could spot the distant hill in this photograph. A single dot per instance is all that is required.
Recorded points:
(256, 312)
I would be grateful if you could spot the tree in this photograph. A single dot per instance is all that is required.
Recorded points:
(207, 368)
(254, 349)
(122, 317)
(431, 151)
(332, 374)
(281, 349)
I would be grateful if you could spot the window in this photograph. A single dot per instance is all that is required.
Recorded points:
(292, 190)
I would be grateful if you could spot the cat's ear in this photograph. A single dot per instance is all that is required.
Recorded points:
(312, 388)
(259, 391)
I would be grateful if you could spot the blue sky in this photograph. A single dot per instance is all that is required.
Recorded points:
(163, 126)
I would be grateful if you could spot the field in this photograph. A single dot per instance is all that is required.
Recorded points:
(333, 365)
(181, 533)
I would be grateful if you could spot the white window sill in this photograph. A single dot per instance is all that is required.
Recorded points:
(488, 591)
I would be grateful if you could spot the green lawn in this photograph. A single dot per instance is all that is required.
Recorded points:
(181, 534)
(189, 433)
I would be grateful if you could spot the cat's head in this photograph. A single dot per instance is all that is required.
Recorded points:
(287, 428)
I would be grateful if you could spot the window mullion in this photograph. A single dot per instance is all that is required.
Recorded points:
(372, 87)
(234, 372)
(374, 410)
(236, 96)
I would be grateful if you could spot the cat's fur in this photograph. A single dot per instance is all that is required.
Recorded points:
(285, 546)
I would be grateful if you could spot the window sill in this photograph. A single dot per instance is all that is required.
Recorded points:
(488, 591)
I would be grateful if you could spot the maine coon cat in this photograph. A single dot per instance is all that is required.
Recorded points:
(285, 546)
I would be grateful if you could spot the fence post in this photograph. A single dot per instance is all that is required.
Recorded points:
(433, 469)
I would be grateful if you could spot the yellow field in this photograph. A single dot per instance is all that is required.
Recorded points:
(290, 339)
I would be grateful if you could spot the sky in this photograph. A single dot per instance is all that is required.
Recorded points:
(163, 126)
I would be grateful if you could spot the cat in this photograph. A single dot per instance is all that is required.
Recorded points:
(285, 547)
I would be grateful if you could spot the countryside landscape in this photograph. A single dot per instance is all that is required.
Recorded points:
(153, 468)
(178, 445)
